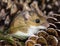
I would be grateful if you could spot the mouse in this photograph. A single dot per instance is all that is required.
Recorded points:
(27, 23)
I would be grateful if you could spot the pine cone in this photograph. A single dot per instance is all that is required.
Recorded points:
(47, 37)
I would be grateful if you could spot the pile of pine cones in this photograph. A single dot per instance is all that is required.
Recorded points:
(48, 37)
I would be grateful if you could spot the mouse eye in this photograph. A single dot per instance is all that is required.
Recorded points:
(37, 20)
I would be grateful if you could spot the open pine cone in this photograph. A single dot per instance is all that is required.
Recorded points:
(44, 38)
(54, 21)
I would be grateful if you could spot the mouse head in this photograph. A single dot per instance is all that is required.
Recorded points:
(27, 20)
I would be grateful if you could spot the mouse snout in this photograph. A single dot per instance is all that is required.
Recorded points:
(46, 24)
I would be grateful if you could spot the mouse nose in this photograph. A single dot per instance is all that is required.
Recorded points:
(46, 24)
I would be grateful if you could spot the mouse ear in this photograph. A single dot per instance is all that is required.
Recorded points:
(26, 15)
(35, 6)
